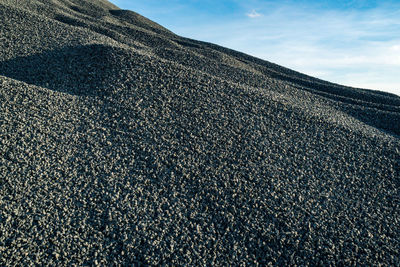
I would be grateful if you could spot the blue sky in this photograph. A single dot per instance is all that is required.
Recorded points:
(354, 42)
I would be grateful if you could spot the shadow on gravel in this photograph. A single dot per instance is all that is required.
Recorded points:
(92, 70)
(79, 70)
(385, 117)
(378, 109)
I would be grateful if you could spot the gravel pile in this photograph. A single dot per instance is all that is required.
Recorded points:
(122, 143)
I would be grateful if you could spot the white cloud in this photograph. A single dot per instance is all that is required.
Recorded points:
(253, 14)
(395, 48)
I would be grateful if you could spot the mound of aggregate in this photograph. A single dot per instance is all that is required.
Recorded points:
(122, 143)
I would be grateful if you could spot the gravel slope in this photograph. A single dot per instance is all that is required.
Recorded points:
(123, 143)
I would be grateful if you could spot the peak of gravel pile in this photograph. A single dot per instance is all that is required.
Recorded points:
(123, 143)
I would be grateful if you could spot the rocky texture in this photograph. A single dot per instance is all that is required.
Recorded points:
(123, 143)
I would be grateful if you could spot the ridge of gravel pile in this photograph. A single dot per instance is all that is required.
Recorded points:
(122, 143)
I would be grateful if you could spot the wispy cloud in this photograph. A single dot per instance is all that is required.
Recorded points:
(253, 14)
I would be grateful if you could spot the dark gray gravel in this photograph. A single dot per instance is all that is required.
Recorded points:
(122, 143)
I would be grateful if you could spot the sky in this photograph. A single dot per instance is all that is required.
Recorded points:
(353, 42)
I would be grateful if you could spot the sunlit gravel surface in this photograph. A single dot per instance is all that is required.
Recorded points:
(122, 143)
